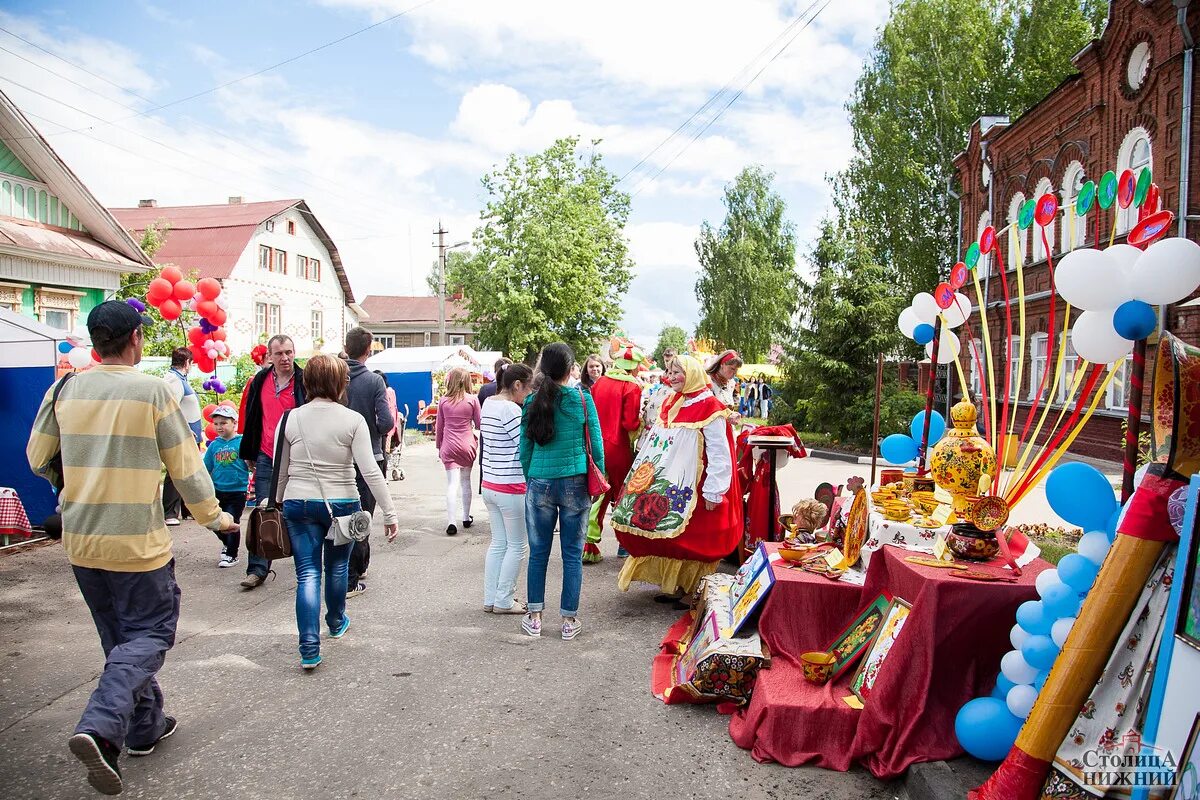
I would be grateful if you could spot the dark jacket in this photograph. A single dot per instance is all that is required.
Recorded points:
(488, 390)
(367, 394)
(252, 426)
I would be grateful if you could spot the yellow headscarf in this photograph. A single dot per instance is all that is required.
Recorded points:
(695, 379)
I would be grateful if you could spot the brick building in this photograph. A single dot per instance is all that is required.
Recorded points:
(1124, 108)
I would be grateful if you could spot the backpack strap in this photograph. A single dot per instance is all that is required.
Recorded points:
(279, 434)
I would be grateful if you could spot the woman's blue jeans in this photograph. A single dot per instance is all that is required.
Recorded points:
(308, 523)
(563, 501)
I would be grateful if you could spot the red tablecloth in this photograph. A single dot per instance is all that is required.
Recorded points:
(13, 520)
(948, 653)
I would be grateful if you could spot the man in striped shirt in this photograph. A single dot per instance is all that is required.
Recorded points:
(114, 427)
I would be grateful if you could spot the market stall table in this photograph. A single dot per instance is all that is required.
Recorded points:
(948, 653)
(14, 522)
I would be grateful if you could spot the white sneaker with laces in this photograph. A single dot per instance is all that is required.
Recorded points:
(227, 561)
(172, 521)
(532, 625)
(571, 629)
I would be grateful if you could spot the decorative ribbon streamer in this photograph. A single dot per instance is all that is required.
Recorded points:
(1028, 444)
(990, 374)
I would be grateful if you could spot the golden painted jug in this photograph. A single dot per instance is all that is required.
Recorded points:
(962, 457)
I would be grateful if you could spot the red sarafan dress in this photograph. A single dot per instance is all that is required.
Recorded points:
(661, 519)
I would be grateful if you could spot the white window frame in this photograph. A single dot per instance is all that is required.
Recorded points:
(280, 262)
(1070, 365)
(317, 324)
(1116, 397)
(456, 338)
(301, 266)
(269, 225)
(274, 319)
(428, 338)
(68, 313)
(1073, 180)
(1016, 236)
(976, 376)
(266, 258)
(1038, 351)
(314, 269)
(387, 340)
(1014, 367)
(1126, 159)
(260, 319)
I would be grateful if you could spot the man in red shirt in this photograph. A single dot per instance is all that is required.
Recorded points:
(271, 392)
(618, 398)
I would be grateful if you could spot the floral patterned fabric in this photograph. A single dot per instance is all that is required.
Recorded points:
(1113, 713)
(662, 488)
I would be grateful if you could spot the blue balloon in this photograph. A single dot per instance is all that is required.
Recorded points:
(1111, 528)
(986, 728)
(937, 426)
(1080, 494)
(1060, 600)
(64, 347)
(1077, 572)
(1032, 616)
(1134, 319)
(923, 333)
(1040, 651)
(898, 449)
(1040, 681)
(1003, 684)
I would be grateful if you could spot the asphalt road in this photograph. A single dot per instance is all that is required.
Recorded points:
(425, 697)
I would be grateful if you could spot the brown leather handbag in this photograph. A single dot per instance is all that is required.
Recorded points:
(267, 536)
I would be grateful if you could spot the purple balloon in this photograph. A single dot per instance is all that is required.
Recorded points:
(207, 326)
(136, 304)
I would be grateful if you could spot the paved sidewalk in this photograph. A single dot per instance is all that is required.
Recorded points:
(426, 697)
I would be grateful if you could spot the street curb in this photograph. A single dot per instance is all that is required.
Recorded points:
(835, 456)
(940, 780)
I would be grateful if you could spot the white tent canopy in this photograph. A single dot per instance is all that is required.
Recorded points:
(25, 342)
(430, 359)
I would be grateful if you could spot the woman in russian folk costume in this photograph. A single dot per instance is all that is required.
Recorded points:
(679, 512)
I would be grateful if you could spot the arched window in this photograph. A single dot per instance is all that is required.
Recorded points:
(985, 219)
(1074, 231)
(1039, 249)
(1134, 154)
(1016, 236)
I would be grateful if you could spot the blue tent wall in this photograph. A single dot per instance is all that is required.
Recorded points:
(410, 388)
(21, 393)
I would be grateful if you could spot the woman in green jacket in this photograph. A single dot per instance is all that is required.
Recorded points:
(555, 464)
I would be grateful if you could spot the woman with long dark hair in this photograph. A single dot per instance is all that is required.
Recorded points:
(593, 370)
(554, 459)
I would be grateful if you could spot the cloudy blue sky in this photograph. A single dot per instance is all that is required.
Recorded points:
(391, 130)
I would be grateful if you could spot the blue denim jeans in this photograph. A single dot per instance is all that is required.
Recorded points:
(564, 501)
(308, 523)
(263, 470)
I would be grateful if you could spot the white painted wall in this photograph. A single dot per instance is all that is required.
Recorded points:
(297, 297)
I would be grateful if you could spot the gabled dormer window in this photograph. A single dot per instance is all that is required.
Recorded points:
(269, 225)
(291, 227)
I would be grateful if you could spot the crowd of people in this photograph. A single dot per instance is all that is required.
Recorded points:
(562, 447)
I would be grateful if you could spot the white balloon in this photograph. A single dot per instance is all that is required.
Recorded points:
(1060, 629)
(1017, 636)
(1046, 579)
(1096, 340)
(1090, 280)
(1014, 667)
(948, 350)
(1126, 255)
(1167, 272)
(958, 311)
(1020, 700)
(79, 357)
(925, 307)
(1094, 546)
(908, 321)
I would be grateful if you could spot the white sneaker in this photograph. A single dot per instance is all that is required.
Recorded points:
(173, 521)
(571, 629)
(227, 561)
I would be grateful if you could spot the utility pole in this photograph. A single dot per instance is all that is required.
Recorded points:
(441, 246)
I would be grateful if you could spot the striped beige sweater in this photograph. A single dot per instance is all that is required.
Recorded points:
(115, 427)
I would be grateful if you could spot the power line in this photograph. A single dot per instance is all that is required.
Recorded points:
(256, 73)
(732, 100)
(713, 99)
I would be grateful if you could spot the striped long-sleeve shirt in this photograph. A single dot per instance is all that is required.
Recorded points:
(500, 426)
(115, 428)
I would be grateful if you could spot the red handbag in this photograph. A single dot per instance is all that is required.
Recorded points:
(597, 480)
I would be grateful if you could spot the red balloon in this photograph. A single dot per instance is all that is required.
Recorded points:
(172, 275)
(1126, 188)
(195, 335)
(1151, 228)
(170, 309)
(987, 240)
(943, 295)
(1151, 204)
(158, 290)
(1046, 209)
(207, 309)
(208, 412)
(184, 291)
(95, 356)
(958, 275)
(218, 335)
(218, 318)
(210, 432)
(209, 288)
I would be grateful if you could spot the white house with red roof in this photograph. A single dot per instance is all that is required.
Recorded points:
(61, 252)
(402, 321)
(280, 269)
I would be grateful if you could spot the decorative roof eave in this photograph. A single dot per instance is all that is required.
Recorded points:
(122, 267)
(34, 151)
(334, 257)
(358, 310)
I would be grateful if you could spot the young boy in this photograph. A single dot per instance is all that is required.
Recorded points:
(229, 476)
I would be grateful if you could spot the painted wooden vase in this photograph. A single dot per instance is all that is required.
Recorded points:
(962, 457)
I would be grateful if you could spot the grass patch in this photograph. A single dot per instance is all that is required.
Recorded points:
(1055, 542)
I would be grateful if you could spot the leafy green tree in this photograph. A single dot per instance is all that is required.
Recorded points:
(550, 260)
(936, 67)
(670, 336)
(748, 281)
(848, 317)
